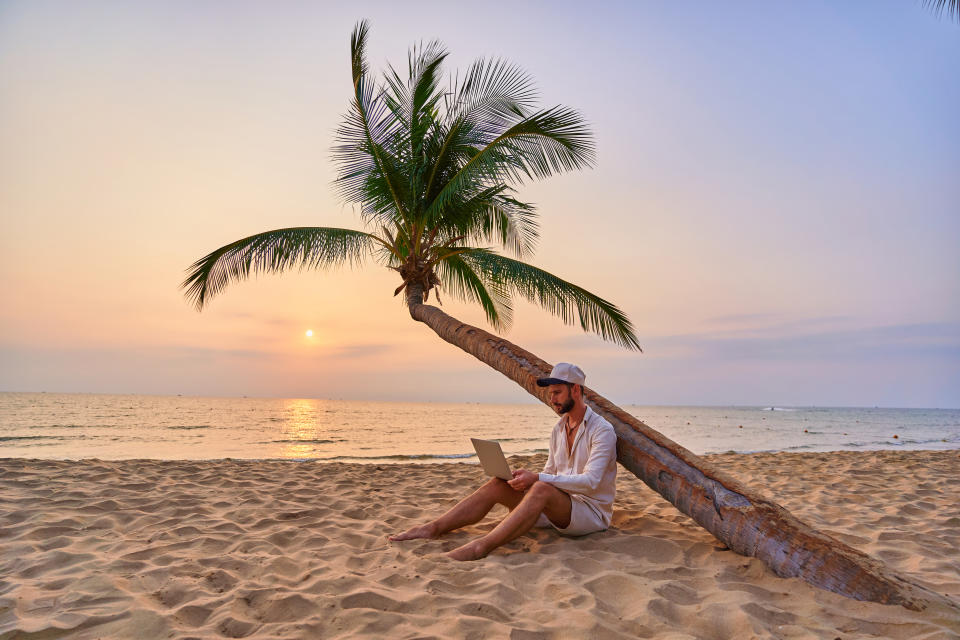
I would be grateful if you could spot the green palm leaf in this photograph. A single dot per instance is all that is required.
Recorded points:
(493, 91)
(414, 101)
(939, 7)
(492, 96)
(369, 173)
(274, 251)
(546, 142)
(491, 215)
(559, 297)
(462, 282)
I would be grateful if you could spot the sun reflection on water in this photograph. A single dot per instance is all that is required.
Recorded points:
(301, 429)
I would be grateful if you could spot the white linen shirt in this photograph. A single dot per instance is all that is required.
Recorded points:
(589, 474)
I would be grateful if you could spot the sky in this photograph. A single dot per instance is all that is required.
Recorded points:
(775, 203)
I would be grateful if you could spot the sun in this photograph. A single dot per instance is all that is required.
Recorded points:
(309, 333)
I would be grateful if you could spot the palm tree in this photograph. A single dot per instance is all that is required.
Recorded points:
(434, 172)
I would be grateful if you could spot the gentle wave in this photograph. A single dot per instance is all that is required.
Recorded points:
(910, 441)
(799, 447)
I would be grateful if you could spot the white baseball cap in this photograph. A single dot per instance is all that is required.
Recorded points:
(563, 372)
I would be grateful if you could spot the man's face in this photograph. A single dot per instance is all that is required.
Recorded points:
(561, 398)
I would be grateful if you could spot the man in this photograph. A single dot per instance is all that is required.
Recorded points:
(574, 493)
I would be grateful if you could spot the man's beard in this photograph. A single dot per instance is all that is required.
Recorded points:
(566, 407)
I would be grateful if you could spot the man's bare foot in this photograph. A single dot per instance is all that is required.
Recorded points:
(423, 531)
(470, 551)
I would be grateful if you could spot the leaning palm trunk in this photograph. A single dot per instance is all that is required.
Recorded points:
(744, 521)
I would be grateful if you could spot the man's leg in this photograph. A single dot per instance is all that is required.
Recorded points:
(469, 510)
(540, 498)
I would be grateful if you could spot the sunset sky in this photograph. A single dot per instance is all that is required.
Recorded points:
(776, 203)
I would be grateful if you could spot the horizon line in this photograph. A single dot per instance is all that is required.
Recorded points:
(532, 401)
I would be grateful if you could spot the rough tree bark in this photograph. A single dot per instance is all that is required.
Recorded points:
(738, 516)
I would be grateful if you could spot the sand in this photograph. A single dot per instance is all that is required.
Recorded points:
(174, 549)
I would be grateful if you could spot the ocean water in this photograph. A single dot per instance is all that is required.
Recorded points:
(75, 426)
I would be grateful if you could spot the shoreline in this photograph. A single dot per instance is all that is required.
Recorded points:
(463, 458)
(289, 549)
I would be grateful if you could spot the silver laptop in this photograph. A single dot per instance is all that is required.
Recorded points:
(491, 457)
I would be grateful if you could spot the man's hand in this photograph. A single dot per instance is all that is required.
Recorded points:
(523, 479)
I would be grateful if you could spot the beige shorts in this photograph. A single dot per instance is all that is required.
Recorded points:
(583, 520)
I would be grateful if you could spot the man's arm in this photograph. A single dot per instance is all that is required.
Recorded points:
(603, 449)
(523, 479)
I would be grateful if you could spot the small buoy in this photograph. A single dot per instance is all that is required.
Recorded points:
(805, 431)
(844, 434)
(895, 436)
(741, 426)
(688, 423)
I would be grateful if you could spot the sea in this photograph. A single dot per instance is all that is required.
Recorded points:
(74, 426)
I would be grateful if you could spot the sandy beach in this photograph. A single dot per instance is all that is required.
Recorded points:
(171, 549)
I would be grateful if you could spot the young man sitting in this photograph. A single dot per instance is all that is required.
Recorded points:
(573, 494)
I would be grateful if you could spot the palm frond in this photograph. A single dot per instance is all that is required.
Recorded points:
(491, 90)
(513, 224)
(409, 96)
(493, 96)
(559, 297)
(358, 50)
(414, 103)
(491, 215)
(368, 172)
(424, 71)
(275, 251)
(546, 142)
(939, 7)
(461, 281)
